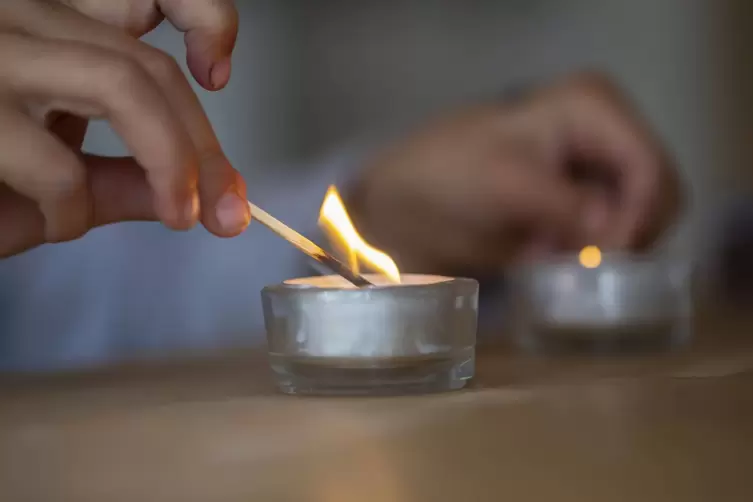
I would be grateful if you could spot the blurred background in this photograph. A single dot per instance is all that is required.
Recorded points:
(312, 76)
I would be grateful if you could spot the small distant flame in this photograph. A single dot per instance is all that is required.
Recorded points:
(590, 257)
(334, 220)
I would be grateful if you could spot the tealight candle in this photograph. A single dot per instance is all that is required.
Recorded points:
(601, 302)
(326, 336)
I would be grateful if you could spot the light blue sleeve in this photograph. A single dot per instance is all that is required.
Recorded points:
(138, 289)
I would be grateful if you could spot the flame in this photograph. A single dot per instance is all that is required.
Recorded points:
(590, 257)
(334, 220)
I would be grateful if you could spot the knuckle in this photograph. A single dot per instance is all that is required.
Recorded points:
(593, 85)
(62, 183)
(223, 16)
(121, 77)
(161, 66)
(134, 21)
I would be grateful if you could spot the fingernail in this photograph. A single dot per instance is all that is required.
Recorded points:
(232, 213)
(220, 73)
(192, 208)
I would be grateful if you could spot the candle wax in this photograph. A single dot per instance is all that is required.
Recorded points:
(378, 280)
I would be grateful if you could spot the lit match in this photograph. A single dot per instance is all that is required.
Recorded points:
(307, 246)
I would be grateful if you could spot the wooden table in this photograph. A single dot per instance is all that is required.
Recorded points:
(675, 427)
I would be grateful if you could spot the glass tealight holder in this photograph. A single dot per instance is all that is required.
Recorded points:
(327, 337)
(626, 303)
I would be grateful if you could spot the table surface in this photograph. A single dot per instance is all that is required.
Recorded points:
(659, 427)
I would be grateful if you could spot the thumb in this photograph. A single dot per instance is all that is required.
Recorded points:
(119, 189)
(210, 27)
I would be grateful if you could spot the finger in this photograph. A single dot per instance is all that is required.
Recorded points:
(87, 80)
(135, 17)
(517, 203)
(36, 164)
(218, 180)
(598, 211)
(604, 131)
(119, 192)
(223, 190)
(211, 28)
(533, 199)
(668, 205)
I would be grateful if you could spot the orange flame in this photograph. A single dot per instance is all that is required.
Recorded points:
(334, 220)
(590, 257)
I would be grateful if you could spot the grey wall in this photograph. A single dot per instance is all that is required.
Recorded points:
(308, 75)
(371, 63)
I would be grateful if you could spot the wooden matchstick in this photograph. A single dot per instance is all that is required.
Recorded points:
(306, 246)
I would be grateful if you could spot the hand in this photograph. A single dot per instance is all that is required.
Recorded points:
(566, 166)
(68, 61)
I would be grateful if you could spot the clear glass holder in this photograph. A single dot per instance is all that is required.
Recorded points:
(328, 338)
(628, 303)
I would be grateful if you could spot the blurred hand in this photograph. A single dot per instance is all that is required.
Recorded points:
(567, 166)
(65, 61)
